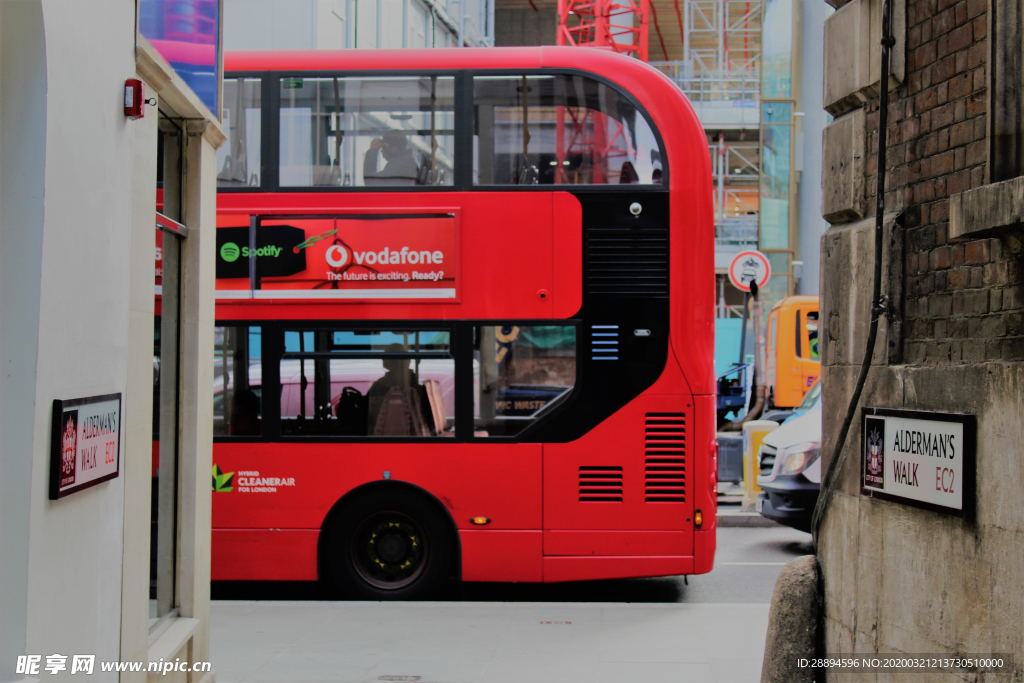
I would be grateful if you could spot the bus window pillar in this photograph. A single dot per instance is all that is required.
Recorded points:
(322, 377)
(488, 373)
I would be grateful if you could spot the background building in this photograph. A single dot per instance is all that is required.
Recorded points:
(898, 578)
(337, 24)
(733, 58)
(119, 570)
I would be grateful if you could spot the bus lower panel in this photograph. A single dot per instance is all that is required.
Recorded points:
(494, 555)
(264, 554)
(616, 543)
(558, 569)
(704, 543)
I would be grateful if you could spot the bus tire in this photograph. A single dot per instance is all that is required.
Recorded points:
(388, 544)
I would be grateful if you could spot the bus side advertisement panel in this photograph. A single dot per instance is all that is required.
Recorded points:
(354, 258)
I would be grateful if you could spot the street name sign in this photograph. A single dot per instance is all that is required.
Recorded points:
(747, 267)
(85, 445)
(919, 458)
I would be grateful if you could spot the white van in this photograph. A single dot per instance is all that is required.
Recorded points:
(790, 467)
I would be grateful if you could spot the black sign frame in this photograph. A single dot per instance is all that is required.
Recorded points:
(969, 423)
(59, 406)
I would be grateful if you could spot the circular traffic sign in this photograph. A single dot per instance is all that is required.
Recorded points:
(747, 267)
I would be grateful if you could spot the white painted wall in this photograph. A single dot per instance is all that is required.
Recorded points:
(77, 195)
(83, 329)
(812, 225)
(64, 267)
(22, 138)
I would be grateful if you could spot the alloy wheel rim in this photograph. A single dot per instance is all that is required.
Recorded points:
(389, 550)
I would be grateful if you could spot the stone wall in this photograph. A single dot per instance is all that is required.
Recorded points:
(897, 578)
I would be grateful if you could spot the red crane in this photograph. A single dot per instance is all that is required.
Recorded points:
(618, 25)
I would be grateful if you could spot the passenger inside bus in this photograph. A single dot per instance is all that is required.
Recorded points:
(400, 167)
(245, 414)
(628, 174)
(397, 374)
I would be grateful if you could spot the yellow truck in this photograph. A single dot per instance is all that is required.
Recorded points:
(792, 350)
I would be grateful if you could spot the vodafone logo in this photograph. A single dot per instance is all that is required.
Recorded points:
(338, 256)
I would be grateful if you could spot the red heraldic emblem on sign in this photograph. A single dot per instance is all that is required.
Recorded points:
(874, 453)
(69, 448)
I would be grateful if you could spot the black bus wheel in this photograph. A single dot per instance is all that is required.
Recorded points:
(389, 545)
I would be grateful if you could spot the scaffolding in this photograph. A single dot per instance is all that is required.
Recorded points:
(719, 70)
(619, 25)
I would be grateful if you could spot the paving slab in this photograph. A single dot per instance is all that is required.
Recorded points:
(486, 642)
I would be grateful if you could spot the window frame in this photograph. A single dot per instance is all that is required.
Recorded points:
(462, 181)
(460, 350)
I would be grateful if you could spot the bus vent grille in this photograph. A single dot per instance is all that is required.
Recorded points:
(600, 484)
(665, 458)
(627, 262)
(604, 342)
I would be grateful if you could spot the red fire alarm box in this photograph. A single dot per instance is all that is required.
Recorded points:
(134, 98)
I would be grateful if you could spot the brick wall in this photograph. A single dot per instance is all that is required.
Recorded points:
(962, 302)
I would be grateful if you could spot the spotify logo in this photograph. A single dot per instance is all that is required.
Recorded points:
(230, 252)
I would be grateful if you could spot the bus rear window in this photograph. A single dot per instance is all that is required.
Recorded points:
(559, 129)
(367, 132)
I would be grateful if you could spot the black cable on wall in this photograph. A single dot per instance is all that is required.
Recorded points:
(878, 305)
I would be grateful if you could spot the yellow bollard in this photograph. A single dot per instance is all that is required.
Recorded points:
(753, 434)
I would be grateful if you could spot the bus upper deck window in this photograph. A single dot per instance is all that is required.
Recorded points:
(560, 130)
(367, 131)
(238, 159)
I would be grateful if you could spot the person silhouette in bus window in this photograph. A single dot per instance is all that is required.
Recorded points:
(245, 414)
(397, 373)
(400, 167)
(628, 174)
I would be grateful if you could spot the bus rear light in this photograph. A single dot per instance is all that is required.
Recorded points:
(480, 521)
(698, 519)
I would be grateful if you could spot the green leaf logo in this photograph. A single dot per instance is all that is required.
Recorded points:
(230, 252)
(222, 481)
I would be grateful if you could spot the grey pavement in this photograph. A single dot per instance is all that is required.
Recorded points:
(711, 630)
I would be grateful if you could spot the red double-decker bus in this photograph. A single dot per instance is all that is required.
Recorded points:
(464, 321)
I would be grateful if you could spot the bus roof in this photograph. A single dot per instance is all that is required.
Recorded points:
(586, 59)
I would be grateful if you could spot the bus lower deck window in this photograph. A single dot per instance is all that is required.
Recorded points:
(520, 373)
(367, 383)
